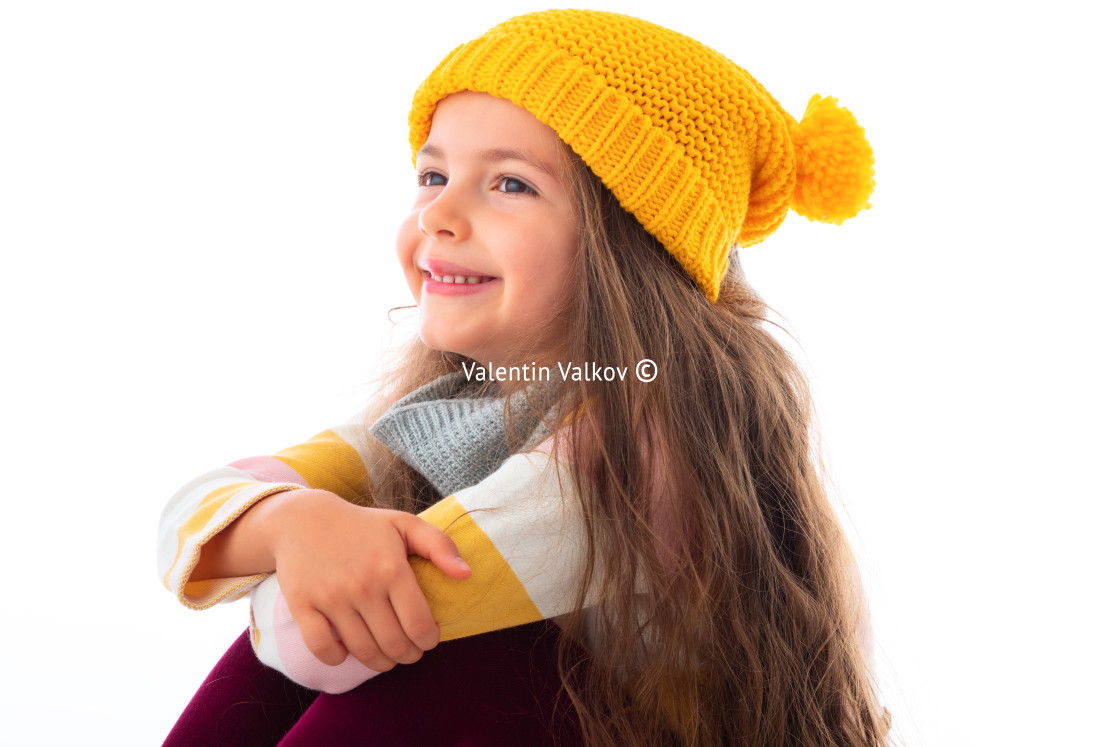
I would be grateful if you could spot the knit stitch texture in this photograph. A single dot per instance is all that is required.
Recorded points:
(455, 436)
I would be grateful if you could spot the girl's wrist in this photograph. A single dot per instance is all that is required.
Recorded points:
(249, 545)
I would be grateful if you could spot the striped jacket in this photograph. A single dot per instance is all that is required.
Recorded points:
(519, 530)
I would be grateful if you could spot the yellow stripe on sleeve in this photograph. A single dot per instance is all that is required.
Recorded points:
(197, 522)
(327, 462)
(491, 599)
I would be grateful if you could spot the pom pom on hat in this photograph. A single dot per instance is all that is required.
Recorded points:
(835, 174)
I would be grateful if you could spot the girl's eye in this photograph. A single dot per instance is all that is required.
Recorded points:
(513, 185)
(431, 179)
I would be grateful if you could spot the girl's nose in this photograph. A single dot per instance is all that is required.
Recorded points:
(445, 217)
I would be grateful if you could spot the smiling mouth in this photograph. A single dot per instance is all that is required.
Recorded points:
(458, 279)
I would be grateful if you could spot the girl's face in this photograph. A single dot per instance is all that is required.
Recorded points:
(489, 243)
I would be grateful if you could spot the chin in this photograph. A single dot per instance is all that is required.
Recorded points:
(442, 342)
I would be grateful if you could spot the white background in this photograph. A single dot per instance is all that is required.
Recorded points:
(197, 210)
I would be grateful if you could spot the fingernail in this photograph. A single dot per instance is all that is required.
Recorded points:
(462, 563)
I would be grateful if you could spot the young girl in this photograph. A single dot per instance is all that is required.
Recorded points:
(582, 180)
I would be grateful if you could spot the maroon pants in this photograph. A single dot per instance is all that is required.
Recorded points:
(501, 688)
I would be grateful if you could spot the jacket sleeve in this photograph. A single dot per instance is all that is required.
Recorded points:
(520, 531)
(335, 460)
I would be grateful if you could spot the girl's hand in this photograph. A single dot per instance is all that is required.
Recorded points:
(344, 570)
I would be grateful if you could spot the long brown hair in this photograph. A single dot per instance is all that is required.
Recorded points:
(718, 603)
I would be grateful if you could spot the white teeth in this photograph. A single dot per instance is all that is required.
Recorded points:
(458, 279)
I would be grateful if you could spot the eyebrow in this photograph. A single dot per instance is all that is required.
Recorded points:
(499, 154)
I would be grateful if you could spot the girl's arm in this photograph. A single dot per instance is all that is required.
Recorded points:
(335, 460)
(344, 567)
(517, 529)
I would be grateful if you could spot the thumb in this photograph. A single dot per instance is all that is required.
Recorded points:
(423, 539)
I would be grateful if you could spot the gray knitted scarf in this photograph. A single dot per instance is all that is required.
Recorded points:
(454, 432)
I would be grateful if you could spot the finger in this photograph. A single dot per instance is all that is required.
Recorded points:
(317, 636)
(414, 615)
(359, 641)
(382, 622)
(423, 539)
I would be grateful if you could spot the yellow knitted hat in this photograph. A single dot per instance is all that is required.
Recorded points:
(697, 150)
